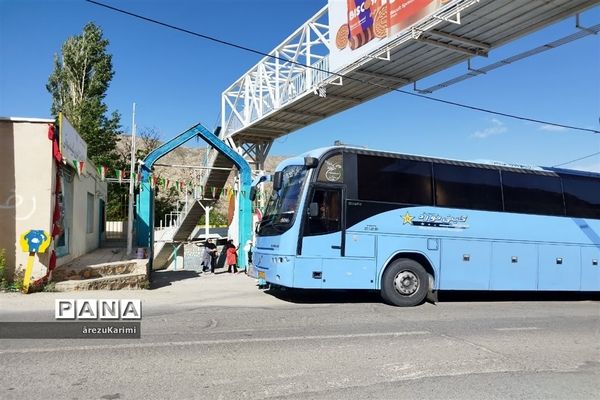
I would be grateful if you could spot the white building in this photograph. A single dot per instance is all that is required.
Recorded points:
(33, 181)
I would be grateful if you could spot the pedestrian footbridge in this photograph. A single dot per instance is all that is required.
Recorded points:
(315, 73)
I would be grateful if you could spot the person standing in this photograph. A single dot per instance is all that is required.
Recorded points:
(209, 256)
(231, 258)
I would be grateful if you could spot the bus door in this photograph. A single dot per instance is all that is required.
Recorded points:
(321, 240)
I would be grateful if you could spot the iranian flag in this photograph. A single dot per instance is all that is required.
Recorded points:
(119, 175)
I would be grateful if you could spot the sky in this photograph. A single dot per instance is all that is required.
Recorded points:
(176, 80)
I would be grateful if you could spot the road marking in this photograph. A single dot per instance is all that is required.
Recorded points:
(473, 344)
(209, 342)
(522, 328)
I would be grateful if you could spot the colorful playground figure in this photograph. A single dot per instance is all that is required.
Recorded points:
(32, 242)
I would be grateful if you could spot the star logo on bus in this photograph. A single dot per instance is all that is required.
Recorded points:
(407, 219)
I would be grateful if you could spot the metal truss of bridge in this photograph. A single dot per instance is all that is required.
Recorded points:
(282, 94)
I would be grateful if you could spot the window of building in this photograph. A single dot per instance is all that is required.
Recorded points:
(90, 213)
(533, 194)
(467, 187)
(66, 210)
(102, 218)
(582, 196)
(394, 180)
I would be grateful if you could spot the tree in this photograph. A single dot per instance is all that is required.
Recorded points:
(78, 86)
(164, 203)
(216, 218)
(146, 140)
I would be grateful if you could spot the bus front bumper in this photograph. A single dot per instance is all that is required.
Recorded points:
(275, 269)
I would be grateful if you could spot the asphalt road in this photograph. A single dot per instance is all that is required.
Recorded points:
(218, 337)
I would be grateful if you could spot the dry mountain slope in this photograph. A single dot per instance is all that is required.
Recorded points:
(190, 156)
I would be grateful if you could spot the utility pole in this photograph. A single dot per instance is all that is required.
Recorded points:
(131, 187)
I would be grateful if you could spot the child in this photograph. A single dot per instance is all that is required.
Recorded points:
(231, 258)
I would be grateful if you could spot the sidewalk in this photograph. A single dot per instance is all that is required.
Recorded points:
(101, 255)
(180, 288)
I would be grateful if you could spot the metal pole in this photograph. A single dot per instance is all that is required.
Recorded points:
(131, 187)
(206, 221)
(190, 166)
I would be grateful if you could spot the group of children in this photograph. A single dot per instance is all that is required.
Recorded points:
(209, 258)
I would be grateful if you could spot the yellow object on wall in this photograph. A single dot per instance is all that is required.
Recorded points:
(33, 241)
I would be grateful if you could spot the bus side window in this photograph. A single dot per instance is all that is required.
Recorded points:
(327, 219)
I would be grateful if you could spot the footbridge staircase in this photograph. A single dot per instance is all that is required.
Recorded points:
(168, 238)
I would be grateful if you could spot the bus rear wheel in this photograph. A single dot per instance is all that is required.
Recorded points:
(404, 283)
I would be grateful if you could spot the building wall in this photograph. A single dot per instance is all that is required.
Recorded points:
(26, 187)
(27, 184)
(7, 187)
(82, 242)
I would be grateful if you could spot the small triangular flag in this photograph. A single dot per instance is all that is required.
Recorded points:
(102, 170)
(79, 166)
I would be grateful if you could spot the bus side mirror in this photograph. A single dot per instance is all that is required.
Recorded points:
(253, 193)
(313, 210)
(277, 181)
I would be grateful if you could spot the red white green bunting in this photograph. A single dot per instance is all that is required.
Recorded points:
(154, 181)
(79, 166)
(102, 171)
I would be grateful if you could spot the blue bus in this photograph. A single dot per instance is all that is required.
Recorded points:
(408, 226)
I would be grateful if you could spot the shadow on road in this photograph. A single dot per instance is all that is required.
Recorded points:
(500, 296)
(308, 296)
(165, 278)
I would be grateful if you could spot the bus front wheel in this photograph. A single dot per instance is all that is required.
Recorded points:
(404, 283)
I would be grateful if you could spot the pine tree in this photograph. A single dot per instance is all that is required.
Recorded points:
(78, 85)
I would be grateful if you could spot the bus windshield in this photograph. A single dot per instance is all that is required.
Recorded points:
(283, 204)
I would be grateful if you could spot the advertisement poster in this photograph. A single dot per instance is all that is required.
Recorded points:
(359, 27)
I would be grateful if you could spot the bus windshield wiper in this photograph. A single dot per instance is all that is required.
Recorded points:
(271, 222)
